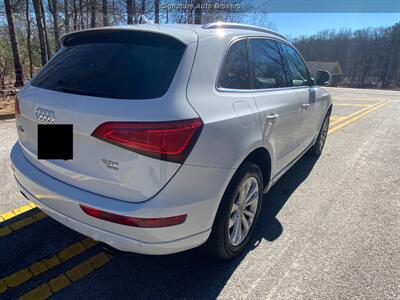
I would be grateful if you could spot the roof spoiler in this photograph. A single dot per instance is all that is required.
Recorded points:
(71, 36)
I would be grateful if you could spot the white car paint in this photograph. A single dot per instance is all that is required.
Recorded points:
(235, 124)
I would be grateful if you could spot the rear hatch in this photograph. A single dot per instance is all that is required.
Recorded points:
(110, 77)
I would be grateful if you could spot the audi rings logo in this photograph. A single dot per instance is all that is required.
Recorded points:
(45, 115)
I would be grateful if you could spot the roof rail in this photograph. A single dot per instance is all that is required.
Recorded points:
(216, 25)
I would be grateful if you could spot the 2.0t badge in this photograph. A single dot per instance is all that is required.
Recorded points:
(110, 164)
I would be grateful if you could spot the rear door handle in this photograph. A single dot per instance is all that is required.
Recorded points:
(272, 117)
(305, 105)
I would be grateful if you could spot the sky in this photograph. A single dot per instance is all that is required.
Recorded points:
(296, 24)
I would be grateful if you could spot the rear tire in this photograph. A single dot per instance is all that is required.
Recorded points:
(317, 148)
(237, 213)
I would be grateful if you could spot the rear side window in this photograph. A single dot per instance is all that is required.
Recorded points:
(267, 65)
(116, 64)
(235, 69)
(296, 68)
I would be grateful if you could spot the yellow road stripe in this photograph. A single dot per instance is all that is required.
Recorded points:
(358, 99)
(42, 266)
(349, 104)
(357, 112)
(6, 230)
(358, 116)
(62, 281)
(336, 118)
(11, 214)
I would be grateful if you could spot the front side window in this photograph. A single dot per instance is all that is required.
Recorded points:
(267, 65)
(235, 69)
(296, 69)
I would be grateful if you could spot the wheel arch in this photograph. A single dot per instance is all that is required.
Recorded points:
(262, 158)
(329, 110)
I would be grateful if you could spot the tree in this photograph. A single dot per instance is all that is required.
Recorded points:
(75, 15)
(39, 24)
(66, 15)
(157, 11)
(54, 12)
(46, 37)
(197, 12)
(92, 13)
(28, 37)
(143, 10)
(81, 19)
(5, 59)
(130, 7)
(19, 74)
(104, 8)
(368, 57)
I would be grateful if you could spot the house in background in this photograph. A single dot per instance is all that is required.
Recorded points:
(332, 67)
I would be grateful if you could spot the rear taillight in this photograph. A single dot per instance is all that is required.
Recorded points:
(16, 107)
(170, 141)
(132, 221)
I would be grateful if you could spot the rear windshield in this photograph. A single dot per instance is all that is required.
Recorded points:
(116, 64)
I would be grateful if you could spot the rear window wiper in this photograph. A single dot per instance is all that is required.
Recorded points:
(73, 90)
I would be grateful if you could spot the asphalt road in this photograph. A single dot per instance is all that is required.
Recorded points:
(329, 229)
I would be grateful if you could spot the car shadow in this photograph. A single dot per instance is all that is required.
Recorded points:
(192, 274)
(268, 226)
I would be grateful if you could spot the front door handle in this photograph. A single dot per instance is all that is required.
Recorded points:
(272, 117)
(305, 105)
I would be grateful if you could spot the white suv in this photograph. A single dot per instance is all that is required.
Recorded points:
(160, 138)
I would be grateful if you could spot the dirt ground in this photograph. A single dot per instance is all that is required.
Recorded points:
(7, 96)
(6, 104)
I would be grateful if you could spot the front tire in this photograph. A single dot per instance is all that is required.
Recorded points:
(237, 213)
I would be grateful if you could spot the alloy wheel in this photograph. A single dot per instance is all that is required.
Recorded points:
(243, 211)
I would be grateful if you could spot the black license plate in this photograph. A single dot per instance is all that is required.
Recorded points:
(55, 141)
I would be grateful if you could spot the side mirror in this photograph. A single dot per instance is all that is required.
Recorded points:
(323, 78)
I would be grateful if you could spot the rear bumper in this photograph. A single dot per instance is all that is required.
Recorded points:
(195, 191)
(120, 242)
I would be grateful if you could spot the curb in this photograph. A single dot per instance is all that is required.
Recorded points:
(7, 116)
